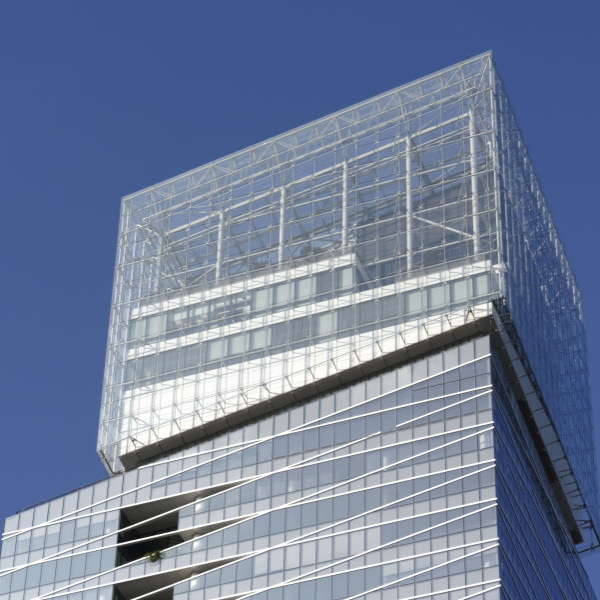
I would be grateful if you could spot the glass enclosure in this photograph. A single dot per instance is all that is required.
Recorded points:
(302, 257)
(284, 265)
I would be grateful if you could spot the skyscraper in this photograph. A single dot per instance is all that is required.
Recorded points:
(345, 363)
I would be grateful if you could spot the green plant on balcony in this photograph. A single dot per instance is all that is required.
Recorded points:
(153, 556)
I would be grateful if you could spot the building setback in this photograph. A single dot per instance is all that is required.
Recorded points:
(346, 363)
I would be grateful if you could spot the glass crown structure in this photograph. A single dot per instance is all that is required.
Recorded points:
(345, 363)
(330, 247)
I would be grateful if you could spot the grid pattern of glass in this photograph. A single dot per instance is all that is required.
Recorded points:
(383, 489)
(533, 563)
(544, 301)
(301, 257)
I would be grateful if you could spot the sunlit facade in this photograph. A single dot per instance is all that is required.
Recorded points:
(345, 363)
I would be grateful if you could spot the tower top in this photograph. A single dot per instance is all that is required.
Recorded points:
(315, 256)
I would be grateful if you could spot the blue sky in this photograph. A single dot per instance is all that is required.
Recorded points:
(101, 99)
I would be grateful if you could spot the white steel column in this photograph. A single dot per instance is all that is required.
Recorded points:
(409, 207)
(474, 182)
(281, 225)
(219, 246)
(344, 204)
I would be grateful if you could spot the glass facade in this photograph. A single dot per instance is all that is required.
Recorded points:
(328, 375)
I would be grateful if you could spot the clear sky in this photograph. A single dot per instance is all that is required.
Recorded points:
(100, 99)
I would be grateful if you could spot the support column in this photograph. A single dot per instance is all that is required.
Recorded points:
(219, 246)
(281, 226)
(409, 206)
(344, 204)
(474, 183)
